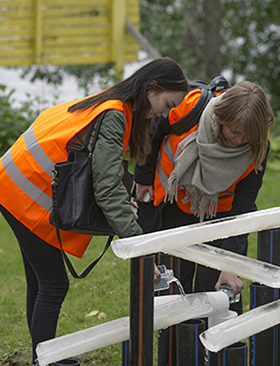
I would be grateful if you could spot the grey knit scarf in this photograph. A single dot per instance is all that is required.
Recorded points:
(204, 168)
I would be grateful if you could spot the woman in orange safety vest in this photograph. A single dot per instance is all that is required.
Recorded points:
(25, 177)
(215, 169)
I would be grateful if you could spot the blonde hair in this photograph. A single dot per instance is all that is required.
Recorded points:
(246, 104)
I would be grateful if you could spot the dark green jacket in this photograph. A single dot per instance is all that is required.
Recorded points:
(107, 169)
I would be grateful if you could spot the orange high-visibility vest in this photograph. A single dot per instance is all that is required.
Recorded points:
(165, 162)
(26, 169)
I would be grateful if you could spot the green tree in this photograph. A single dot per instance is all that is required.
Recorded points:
(187, 31)
(15, 120)
(208, 37)
(251, 42)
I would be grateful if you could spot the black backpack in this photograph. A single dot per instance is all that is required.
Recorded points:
(218, 84)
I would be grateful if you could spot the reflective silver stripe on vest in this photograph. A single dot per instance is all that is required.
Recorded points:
(24, 184)
(169, 152)
(37, 152)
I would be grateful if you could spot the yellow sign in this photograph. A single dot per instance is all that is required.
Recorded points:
(67, 32)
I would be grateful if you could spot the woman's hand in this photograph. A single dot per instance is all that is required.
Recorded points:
(134, 207)
(235, 283)
(157, 274)
(141, 192)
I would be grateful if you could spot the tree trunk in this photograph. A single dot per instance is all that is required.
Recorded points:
(212, 21)
(195, 62)
(202, 38)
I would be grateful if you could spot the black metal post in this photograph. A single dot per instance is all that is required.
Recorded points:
(234, 355)
(190, 349)
(268, 251)
(167, 347)
(125, 353)
(141, 311)
(268, 246)
(264, 345)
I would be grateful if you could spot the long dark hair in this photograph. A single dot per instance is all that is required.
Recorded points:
(160, 75)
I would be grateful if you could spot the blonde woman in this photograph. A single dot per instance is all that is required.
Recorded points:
(213, 170)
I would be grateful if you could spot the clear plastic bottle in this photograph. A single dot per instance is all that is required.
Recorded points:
(228, 290)
(167, 276)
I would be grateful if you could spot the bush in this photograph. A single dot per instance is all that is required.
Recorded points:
(15, 120)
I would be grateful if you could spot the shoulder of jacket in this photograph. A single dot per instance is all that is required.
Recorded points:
(115, 118)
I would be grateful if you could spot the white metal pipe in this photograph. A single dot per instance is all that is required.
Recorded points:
(224, 260)
(244, 326)
(169, 310)
(162, 241)
(220, 318)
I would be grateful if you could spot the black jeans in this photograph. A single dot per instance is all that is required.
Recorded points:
(47, 281)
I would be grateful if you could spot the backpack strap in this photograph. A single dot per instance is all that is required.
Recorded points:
(217, 85)
(192, 118)
(198, 84)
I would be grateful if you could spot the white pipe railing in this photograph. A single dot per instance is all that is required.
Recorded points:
(244, 326)
(224, 260)
(168, 310)
(163, 241)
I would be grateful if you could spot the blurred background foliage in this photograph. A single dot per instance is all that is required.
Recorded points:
(15, 120)
(239, 39)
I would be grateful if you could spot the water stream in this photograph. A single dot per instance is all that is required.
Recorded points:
(167, 277)
(180, 286)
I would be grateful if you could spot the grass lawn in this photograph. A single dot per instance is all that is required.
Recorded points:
(105, 290)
